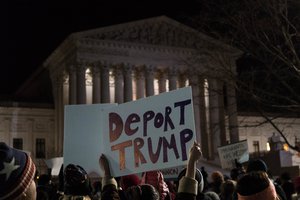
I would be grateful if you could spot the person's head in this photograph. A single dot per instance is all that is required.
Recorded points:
(142, 192)
(235, 173)
(17, 172)
(217, 177)
(198, 177)
(228, 189)
(76, 181)
(129, 180)
(257, 165)
(156, 179)
(256, 185)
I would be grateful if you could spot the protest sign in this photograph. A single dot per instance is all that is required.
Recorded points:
(83, 136)
(149, 134)
(235, 151)
(54, 164)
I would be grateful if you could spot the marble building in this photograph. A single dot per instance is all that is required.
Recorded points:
(134, 60)
(125, 62)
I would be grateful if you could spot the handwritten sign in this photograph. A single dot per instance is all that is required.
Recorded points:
(150, 133)
(236, 151)
(147, 134)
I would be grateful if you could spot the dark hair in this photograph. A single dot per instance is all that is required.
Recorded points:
(252, 183)
(144, 192)
(257, 165)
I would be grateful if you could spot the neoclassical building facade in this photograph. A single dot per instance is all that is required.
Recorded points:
(134, 60)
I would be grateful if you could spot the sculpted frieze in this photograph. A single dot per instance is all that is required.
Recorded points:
(105, 51)
(161, 33)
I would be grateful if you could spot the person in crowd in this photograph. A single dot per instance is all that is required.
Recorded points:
(17, 173)
(217, 179)
(296, 195)
(287, 185)
(129, 180)
(76, 183)
(97, 187)
(199, 177)
(188, 186)
(156, 179)
(46, 190)
(228, 190)
(259, 165)
(187, 190)
(135, 192)
(205, 177)
(256, 185)
(236, 172)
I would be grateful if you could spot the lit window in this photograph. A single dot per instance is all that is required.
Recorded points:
(268, 146)
(256, 146)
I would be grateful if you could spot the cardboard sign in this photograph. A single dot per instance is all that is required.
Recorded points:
(236, 151)
(147, 134)
(151, 133)
(83, 140)
(54, 164)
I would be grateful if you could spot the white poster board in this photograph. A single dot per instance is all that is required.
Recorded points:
(236, 151)
(151, 133)
(83, 136)
(147, 134)
(54, 164)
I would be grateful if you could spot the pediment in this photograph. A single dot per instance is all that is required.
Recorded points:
(156, 31)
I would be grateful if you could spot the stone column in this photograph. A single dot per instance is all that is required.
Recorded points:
(96, 84)
(57, 82)
(172, 76)
(162, 81)
(72, 85)
(181, 80)
(105, 89)
(232, 112)
(140, 83)
(149, 81)
(127, 83)
(195, 91)
(214, 118)
(119, 92)
(203, 120)
(81, 87)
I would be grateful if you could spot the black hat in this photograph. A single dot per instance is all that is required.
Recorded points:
(76, 181)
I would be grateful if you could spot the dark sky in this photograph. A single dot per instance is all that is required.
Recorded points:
(32, 29)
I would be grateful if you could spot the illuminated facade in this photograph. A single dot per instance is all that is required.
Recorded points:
(134, 60)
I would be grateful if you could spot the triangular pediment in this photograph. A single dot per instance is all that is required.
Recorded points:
(156, 31)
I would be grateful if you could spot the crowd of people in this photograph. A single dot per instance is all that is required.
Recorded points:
(18, 181)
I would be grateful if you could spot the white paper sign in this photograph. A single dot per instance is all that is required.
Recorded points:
(151, 133)
(236, 151)
(54, 164)
(83, 141)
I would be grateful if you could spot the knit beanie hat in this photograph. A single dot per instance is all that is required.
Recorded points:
(17, 172)
(255, 186)
(129, 180)
(198, 177)
(257, 165)
(76, 181)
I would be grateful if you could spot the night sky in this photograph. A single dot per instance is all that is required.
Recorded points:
(32, 29)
